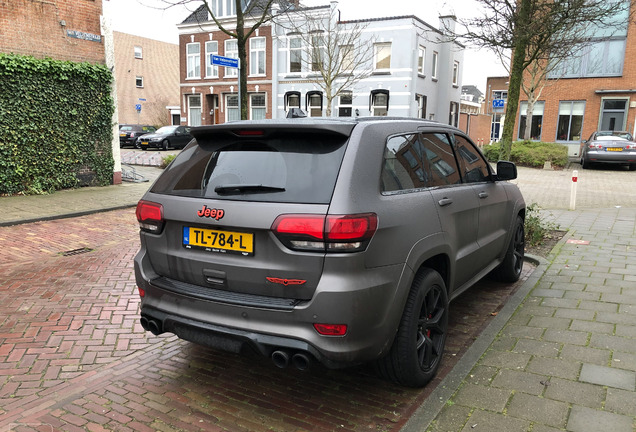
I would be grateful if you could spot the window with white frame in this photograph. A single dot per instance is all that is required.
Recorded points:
(379, 103)
(317, 52)
(346, 55)
(193, 60)
(382, 56)
(257, 56)
(232, 112)
(138, 52)
(295, 54)
(257, 106)
(139, 81)
(224, 8)
(570, 120)
(434, 65)
(292, 100)
(314, 103)
(536, 122)
(231, 50)
(455, 73)
(345, 104)
(211, 48)
(421, 55)
(453, 114)
(194, 110)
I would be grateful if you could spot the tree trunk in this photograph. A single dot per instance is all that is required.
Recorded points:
(529, 108)
(516, 75)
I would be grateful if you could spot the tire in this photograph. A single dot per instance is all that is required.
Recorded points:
(510, 268)
(585, 164)
(418, 346)
(165, 144)
(632, 167)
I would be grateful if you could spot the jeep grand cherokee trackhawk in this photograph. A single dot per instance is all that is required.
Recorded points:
(337, 241)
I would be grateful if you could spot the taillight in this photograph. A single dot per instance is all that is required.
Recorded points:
(333, 233)
(331, 329)
(150, 216)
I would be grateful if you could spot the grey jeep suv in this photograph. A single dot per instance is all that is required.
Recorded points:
(337, 241)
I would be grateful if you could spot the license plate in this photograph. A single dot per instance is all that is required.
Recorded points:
(218, 241)
(122, 135)
(614, 149)
(144, 143)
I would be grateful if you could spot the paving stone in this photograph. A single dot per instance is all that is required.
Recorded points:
(537, 348)
(488, 421)
(520, 381)
(583, 419)
(585, 354)
(575, 392)
(598, 306)
(623, 360)
(482, 375)
(560, 303)
(567, 369)
(539, 292)
(537, 409)
(451, 418)
(550, 323)
(483, 397)
(566, 336)
(615, 318)
(610, 377)
(592, 327)
(505, 359)
(582, 295)
(586, 315)
(516, 331)
(615, 343)
(626, 330)
(620, 401)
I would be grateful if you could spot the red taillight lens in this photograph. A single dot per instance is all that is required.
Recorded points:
(150, 216)
(142, 293)
(331, 329)
(334, 233)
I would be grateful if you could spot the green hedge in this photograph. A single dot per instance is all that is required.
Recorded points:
(55, 124)
(531, 153)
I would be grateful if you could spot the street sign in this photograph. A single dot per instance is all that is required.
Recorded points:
(138, 107)
(142, 99)
(498, 103)
(224, 61)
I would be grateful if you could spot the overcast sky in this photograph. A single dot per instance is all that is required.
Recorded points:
(150, 18)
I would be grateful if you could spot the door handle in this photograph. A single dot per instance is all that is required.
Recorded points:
(483, 195)
(445, 201)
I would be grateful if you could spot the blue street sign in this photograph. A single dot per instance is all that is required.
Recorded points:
(224, 61)
(138, 107)
(498, 103)
(142, 99)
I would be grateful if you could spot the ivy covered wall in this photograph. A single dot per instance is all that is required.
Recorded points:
(55, 125)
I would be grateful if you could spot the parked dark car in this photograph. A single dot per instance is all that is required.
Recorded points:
(337, 241)
(129, 133)
(611, 147)
(166, 137)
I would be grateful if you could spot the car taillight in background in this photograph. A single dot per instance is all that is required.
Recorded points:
(333, 233)
(150, 216)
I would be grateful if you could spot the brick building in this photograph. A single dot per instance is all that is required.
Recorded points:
(62, 29)
(593, 91)
(147, 75)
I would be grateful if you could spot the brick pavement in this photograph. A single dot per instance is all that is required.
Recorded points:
(74, 357)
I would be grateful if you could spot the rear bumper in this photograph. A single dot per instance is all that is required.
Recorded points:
(625, 157)
(371, 313)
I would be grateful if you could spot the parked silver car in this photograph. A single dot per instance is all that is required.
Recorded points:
(337, 241)
(612, 147)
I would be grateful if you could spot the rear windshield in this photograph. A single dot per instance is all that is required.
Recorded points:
(294, 168)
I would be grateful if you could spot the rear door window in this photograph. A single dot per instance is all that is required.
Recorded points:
(294, 168)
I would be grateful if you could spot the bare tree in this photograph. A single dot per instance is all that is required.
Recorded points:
(335, 54)
(256, 12)
(538, 31)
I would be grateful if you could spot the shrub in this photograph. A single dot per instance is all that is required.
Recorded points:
(166, 160)
(55, 124)
(536, 228)
(531, 153)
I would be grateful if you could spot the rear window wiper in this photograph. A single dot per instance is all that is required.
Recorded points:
(242, 188)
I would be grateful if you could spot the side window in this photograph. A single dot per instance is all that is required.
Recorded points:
(474, 168)
(441, 160)
(403, 167)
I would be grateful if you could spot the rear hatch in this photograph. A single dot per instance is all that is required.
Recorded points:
(224, 193)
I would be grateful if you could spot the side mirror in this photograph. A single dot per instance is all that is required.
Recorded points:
(506, 170)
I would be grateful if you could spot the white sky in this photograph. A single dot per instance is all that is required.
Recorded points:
(151, 19)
